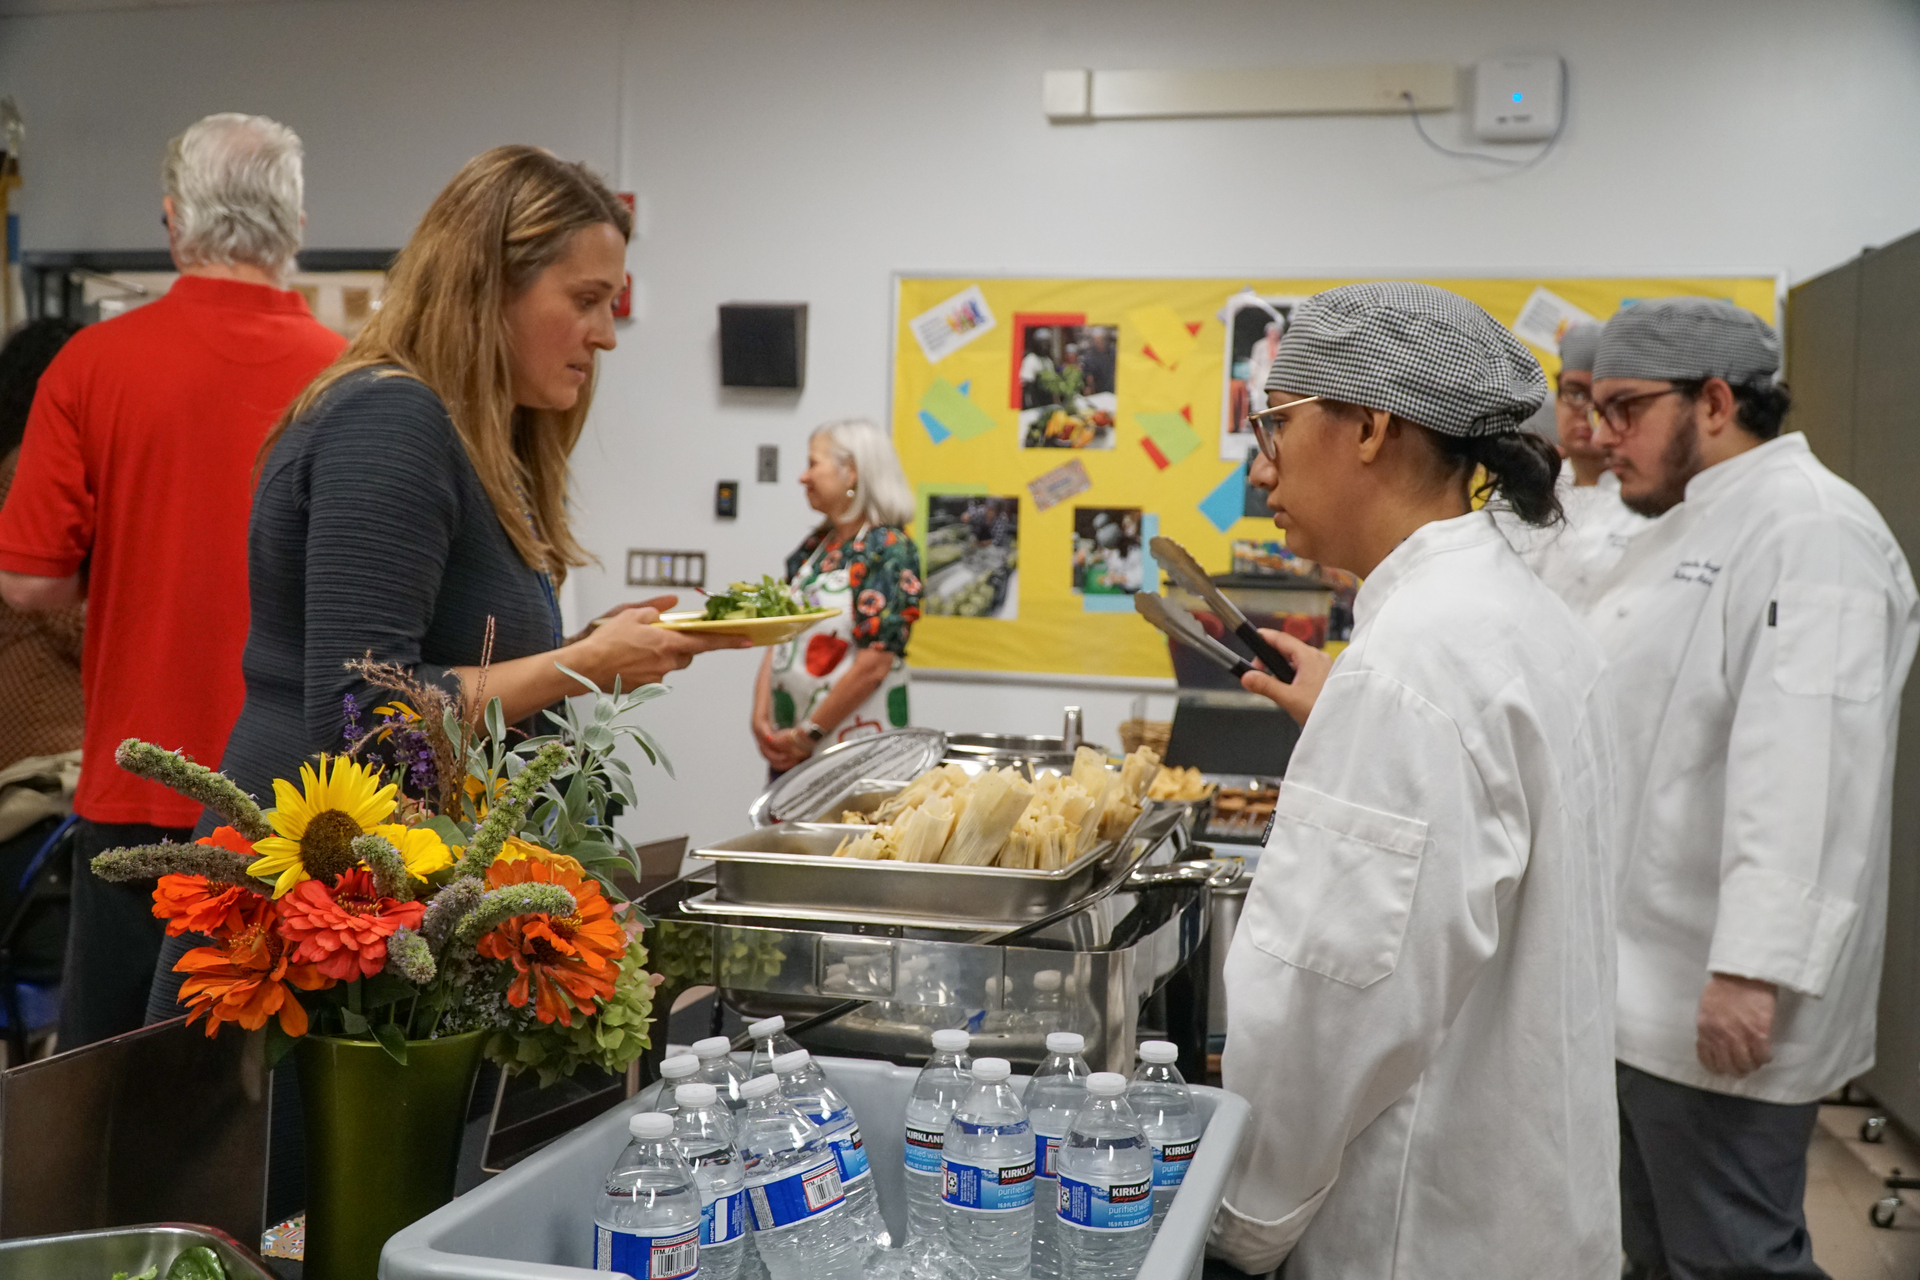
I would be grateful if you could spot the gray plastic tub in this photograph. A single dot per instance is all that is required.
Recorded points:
(535, 1221)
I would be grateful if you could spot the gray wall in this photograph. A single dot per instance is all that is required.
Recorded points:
(1852, 339)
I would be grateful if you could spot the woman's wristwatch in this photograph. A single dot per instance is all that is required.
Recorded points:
(814, 733)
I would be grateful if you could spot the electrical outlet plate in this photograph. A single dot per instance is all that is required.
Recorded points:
(1517, 98)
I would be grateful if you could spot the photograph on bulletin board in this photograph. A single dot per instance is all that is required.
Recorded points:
(1052, 427)
(972, 557)
(1253, 327)
(1064, 383)
(1106, 551)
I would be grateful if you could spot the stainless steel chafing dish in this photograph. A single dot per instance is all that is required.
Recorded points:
(791, 865)
(781, 926)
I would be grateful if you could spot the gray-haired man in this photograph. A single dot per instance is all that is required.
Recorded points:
(1759, 631)
(133, 492)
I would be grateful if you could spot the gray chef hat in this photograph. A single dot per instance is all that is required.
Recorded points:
(1418, 352)
(1579, 346)
(1664, 339)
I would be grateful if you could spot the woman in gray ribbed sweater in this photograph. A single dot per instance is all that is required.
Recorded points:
(417, 489)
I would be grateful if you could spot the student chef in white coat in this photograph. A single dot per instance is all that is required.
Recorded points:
(1420, 990)
(1760, 632)
(1573, 557)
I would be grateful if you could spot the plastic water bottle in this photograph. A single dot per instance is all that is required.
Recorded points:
(1057, 1090)
(703, 1132)
(674, 1072)
(648, 1220)
(1104, 1205)
(1165, 1106)
(942, 1085)
(718, 1069)
(801, 1224)
(986, 1170)
(1048, 1009)
(770, 1040)
(806, 1087)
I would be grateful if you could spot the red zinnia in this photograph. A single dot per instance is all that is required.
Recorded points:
(343, 931)
(194, 904)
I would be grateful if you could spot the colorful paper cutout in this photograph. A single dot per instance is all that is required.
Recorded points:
(1171, 434)
(1224, 505)
(949, 406)
(1161, 330)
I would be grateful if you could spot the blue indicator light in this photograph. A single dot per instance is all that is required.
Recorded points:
(1518, 96)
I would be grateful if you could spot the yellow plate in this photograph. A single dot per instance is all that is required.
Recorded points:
(761, 631)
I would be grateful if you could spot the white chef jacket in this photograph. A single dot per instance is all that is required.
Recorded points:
(1574, 556)
(1420, 989)
(1759, 634)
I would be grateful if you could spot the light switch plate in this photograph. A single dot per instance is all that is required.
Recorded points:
(1517, 98)
(769, 467)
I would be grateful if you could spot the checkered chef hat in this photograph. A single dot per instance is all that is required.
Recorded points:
(1579, 346)
(1415, 351)
(1667, 338)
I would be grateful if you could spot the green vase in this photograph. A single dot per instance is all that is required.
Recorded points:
(383, 1142)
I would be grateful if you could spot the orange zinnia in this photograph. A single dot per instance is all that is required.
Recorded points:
(247, 981)
(569, 962)
(193, 904)
(343, 931)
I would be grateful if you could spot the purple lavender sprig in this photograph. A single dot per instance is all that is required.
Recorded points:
(353, 734)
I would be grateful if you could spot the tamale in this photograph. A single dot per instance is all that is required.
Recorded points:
(994, 802)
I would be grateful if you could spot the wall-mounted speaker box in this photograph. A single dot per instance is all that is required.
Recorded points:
(763, 344)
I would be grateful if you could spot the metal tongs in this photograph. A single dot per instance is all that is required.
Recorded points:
(1181, 625)
(1178, 624)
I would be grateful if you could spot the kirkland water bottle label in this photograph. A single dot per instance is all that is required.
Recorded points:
(1046, 1155)
(1099, 1206)
(647, 1257)
(923, 1149)
(1170, 1162)
(724, 1220)
(851, 1152)
(796, 1197)
(988, 1189)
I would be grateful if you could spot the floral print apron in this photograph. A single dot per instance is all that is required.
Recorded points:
(805, 668)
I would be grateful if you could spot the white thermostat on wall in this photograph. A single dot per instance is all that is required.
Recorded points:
(1517, 98)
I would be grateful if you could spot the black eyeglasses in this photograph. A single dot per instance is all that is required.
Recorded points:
(1575, 397)
(1622, 413)
(1266, 429)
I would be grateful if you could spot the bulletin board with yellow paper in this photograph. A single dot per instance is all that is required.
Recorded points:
(1052, 427)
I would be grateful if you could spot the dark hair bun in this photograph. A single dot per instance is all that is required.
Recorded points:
(1521, 471)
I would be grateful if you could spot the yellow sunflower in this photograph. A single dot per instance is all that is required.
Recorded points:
(315, 826)
(421, 847)
(516, 849)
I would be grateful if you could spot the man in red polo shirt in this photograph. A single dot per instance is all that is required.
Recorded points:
(133, 491)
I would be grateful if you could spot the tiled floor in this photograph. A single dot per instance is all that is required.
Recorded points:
(1843, 1181)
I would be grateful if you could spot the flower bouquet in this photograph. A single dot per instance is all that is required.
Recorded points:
(429, 888)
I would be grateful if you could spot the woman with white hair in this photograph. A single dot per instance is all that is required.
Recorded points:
(846, 676)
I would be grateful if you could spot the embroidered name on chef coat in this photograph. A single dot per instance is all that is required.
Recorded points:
(1701, 571)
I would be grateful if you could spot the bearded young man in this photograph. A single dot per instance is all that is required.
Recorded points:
(1759, 633)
